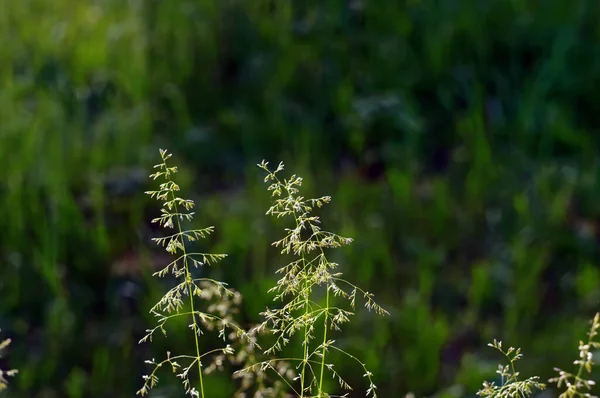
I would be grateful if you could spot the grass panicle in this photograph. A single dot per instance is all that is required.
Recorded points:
(576, 385)
(315, 302)
(258, 384)
(179, 301)
(5, 374)
(510, 385)
(301, 280)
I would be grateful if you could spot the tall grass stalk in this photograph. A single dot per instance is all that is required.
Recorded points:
(179, 300)
(302, 279)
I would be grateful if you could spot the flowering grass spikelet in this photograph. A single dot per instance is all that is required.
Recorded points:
(510, 386)
(4, 374)
(300, 281)
(179, 301)
(576, 384)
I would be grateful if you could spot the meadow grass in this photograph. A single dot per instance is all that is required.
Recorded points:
(4, 374)
(303, 312)
(179, 301)
(316, 301)
(575, 384)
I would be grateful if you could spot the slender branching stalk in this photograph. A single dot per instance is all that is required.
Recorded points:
(310, 272)
(510, 386)
(259, 384)
(576, 384)
(179, 300)
(5, 373)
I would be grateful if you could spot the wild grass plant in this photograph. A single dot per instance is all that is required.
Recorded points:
(316, 301)
(244, 348)
(5, 374)
(310, 272)
(510, 385)
(180, 300)
(577, 386)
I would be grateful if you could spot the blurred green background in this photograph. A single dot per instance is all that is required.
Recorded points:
(458, 139)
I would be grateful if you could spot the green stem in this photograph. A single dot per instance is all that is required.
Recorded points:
(195, 330)
(324, 344)
(305, 342)
(188, 280)
(306, 311)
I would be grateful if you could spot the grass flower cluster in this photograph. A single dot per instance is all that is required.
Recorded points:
(243, 350)
(308, 274)
(510, 385)
(4, 374)
(313, 299)
(577, 386)
(311, 290)
(180, 301)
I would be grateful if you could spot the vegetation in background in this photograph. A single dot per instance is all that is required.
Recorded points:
(468, 155)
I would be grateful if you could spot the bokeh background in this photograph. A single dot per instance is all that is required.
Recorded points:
(458, 139)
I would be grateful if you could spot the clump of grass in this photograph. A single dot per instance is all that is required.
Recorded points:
(244, 353)
(179, 301)
(510, 386)
(5, 373)
(258, 384)
(302, 279)
(576, 384)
